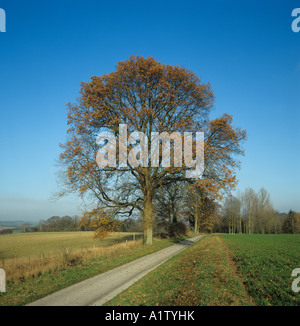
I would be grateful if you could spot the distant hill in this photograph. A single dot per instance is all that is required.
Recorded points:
(14, 223)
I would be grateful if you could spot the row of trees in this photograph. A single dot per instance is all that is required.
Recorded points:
(252, 212)
(6, 231)
(56, 224)
(184, 203)
(291, 223)
(177, 209)
(180, 207)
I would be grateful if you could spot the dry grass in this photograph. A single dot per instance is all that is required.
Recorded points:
(28, 267)
(20, 245)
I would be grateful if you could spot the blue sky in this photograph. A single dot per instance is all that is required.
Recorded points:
(246, 50)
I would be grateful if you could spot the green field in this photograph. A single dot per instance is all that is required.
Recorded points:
(223, 270)
(266, 263)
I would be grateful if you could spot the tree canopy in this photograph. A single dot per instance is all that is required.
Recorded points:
(148, 97)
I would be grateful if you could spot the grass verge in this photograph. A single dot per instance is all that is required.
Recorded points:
(202, 275)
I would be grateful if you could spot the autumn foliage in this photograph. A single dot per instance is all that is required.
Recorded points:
(149, 97)
(100, 222)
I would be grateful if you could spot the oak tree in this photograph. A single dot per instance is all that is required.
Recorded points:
(148, 97)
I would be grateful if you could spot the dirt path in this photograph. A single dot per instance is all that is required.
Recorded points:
(102, 288)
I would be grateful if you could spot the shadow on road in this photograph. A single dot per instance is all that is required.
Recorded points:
(186, 242)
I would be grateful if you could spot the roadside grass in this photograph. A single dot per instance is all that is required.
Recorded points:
(74, 266)
(266, 263)
(201, 275)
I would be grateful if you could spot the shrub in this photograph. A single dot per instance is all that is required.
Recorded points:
(178, 229)
(6, 231)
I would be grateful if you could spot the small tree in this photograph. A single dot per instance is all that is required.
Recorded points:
(201, 203)
(99, 221)
(232, 214)
(290, 223)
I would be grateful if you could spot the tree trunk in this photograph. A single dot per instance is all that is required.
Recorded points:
(196, 224)
(196, 217)
(148, 220)
(241, 230)
(174, 217)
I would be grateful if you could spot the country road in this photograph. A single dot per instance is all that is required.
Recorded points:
(99, 289)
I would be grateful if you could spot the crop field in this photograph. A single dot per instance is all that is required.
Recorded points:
(223, 270)
(266, 263)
